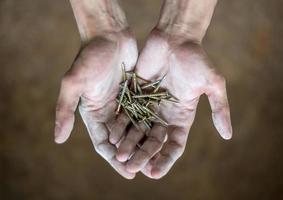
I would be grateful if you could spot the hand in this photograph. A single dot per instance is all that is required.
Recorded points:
(188, 74)
(174, 49)
(93, 82)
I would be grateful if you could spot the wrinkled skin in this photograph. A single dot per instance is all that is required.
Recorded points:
(93, 83)
(189, 74)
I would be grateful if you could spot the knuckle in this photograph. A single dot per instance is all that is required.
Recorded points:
(63, 109)
(177, 149)
(124, 119)
(68, 80)
(219, 80)
(131, 141)
(102, 149)
(145, 152)
(155, 139)
(135, 135)
(218, 84)
(71, 78)
(58, 108)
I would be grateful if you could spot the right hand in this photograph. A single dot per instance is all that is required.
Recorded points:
(93, 83)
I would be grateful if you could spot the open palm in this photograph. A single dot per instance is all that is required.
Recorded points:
(93, 83)
(188, 74)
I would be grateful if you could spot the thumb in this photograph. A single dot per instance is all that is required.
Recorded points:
(218, 100)
(69, 96)
(152, 59)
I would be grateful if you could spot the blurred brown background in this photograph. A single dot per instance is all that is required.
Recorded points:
(38, 41)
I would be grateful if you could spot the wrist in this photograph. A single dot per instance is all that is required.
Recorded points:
(186, 19)
(98, 18)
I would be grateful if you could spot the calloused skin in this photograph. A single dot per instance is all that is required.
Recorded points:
(188, 74)
(93, 84)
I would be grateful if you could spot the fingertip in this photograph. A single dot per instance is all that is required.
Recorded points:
(131, 168)
(156, 173)
(227, 136)
(59, 139)
(225, 130)
(223, 125)
(146, 170)
(130, 176)
(122, 157)
(58, 136)
(121, 168)
(112, 139)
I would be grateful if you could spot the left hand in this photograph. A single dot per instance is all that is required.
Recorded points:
(189, 74)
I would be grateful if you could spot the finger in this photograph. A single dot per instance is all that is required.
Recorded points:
(148, 167)
(69, 96)
(99, 135)
(108, 151)
(119, 143)
(170, 152)
(117, 128)
(127, 146)
(173, 148)
(148, 58)
(150, 147)
(218, 100)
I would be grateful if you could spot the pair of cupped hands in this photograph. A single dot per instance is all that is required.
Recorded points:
(92, 85)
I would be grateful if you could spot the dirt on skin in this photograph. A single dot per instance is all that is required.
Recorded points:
(39, 40)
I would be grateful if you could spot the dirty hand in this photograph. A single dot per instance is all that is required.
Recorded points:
(174, 50)
(93, 80)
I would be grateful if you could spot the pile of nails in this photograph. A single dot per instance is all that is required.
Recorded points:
(137, 97)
